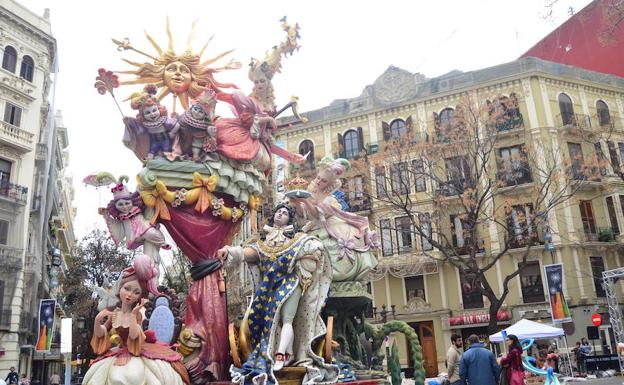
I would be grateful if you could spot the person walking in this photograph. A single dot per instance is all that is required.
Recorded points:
(512, 362)
(453, 357)
(478, 365)
(24, 380)
(55, 379)
(11, 378)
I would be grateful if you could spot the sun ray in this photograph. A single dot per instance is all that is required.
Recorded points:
(201, 52)
(191, 36)
(153, 42)
(184, 100)
(170, 37)
(134, 63)
(138, 81)
(210, 61)
(162, 93)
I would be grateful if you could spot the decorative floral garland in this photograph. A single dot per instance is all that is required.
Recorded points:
(201, 195)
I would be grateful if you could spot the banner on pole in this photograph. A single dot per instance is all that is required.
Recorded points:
(554, 282)
(66, 335)
(47, 315)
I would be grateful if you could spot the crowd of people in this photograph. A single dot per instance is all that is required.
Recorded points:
(13, 378)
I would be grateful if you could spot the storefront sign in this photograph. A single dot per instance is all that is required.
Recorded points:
(479, 318)
(558, 305)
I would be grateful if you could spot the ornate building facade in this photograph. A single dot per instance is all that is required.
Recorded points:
(36, 213)
(554, 106)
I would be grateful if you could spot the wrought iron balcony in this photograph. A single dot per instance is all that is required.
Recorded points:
(604, 234)
(14, 192)
(11, 258)
(575, 123)
(16, 137)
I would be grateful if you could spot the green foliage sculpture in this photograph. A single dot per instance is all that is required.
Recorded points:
(412, 341)
(394, 365)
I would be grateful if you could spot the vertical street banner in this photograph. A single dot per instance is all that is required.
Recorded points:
(47, 309)
(558, 305)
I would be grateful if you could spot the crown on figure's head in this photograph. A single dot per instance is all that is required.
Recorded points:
(297, 183)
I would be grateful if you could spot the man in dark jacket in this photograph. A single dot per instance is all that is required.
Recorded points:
(478, 365)
(12, 378)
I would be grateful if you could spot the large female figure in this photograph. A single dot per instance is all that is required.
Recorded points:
(137, 359)
(284, 315)
(346, 236)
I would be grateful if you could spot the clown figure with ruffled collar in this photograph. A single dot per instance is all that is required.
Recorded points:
(283, 319)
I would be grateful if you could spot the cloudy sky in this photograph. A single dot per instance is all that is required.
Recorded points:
(345, 46)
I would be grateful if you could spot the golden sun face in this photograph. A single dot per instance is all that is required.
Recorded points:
(177, 77)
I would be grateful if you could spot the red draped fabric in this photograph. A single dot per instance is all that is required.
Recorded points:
(199, 236)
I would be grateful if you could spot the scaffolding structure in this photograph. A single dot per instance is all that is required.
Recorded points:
(609, 279)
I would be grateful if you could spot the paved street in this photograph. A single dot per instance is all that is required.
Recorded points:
(601, 381)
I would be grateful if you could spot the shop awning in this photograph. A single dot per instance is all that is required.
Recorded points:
(529, 329)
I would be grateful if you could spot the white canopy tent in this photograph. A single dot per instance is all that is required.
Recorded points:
(525, 329)
(529, 329)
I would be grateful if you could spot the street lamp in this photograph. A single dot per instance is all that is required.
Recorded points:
(81, 323)
(83, 333)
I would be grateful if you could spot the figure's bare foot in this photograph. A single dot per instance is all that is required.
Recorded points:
(196, 158)
(149, 157)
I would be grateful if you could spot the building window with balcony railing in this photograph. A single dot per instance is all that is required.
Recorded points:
(513, 166)
(575, 151)
(12, 114)
(458, 232)
(380, 182)
(566, 109)
(399, 178)
(504, 113)
(5, 171)
(27, 68)
(612, 217)
(602, 159)
(458, 174)
(415, 287)
(602, 110)
(615, 160)
(597, 267)
(588, 220)
(521, 227)
(4, 232)
(471, 295)
(531, 283)
(307, 148)
(404, 231)
(9, 59)
(386, 237)
(418, 169)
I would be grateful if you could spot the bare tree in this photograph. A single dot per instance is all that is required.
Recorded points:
(484, 187)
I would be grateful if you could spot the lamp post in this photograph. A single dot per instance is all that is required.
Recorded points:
(83, 334)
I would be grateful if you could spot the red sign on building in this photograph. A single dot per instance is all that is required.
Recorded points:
(596, 319)
(479, 318)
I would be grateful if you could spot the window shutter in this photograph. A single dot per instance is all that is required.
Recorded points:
(341, 147)
(361, 137)
(387, 132)
(7, 112)
(409, 124)
(18, 116)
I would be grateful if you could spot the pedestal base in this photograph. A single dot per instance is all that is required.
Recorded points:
(290, 375)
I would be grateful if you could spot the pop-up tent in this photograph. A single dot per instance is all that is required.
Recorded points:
(529, 329)
(525, 329)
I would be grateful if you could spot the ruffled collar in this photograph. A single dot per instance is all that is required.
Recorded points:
(186, 119)
(275, 235)
(158, 122)
(133, 213)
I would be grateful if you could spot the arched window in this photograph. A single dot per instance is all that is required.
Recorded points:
(351, 144)
(9, 59)
(446, 117)
(306, 147)
(566, 109)
(602, 110)
(27, 69)
(397, 128)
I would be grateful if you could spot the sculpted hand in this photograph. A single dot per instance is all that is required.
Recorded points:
(102, 211)
(222, 253)
(212, 131)
(126, 120)
(139, 305)
(101, 317)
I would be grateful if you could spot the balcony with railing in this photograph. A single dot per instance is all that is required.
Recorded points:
(16, 137)
(524, 239)
(11, 258)
(13, 192)
(575, 124)
(518, 174)
(603, 235)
